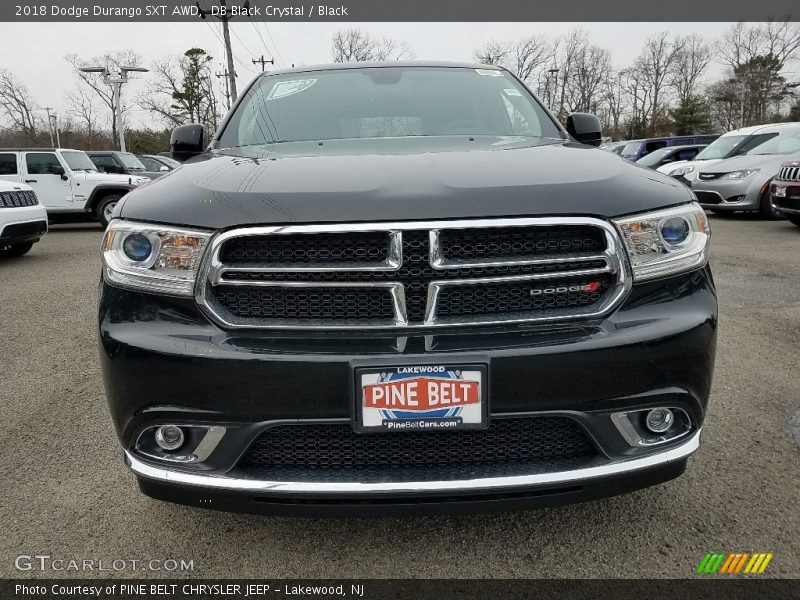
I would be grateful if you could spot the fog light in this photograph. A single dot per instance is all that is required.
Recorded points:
(659, 420)
(169, 437)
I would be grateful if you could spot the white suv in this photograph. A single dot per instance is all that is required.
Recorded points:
(66, 181)
(23, 221)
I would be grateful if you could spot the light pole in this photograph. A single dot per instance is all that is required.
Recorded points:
(115, 79)
(554, 73)
(54, 125)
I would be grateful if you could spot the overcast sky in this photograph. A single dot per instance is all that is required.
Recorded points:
(35, 51)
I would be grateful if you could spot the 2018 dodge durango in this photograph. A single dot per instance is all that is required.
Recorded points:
(404, 287)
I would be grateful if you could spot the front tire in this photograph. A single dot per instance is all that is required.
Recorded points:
(16, 250)
(105, 207)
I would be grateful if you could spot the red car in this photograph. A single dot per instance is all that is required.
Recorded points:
(785, 191)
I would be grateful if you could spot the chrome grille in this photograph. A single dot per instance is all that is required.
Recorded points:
(413, 274)
(789, 173)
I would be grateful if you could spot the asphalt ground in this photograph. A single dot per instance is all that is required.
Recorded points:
(66, 494)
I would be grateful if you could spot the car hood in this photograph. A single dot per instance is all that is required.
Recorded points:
(399, 179)
(750, 161)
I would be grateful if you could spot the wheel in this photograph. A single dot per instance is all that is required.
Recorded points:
(105, 207)
(766, 210)
(15, 250)
(795, 220)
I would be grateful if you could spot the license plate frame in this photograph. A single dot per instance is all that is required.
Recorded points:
(446, 382)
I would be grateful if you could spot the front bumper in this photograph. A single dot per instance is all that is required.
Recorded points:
(23, 224)
(731, 194)
(789, 204)
(164, 362)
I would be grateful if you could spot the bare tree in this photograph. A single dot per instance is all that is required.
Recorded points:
(524, 58)
(691, 57)
(181, 91)
(93, 81)
(493, 53)
(590, 69)
(742, 43)
(84, 109)
(654, 66)
(355, 45)
(17, 103)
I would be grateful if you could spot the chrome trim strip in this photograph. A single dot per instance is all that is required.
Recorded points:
(218, 482)
(616, 263)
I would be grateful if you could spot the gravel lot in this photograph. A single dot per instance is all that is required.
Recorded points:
(66, 493)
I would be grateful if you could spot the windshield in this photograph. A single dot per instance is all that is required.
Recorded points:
(78, 161)
(381, 102)
(131, 162)
(733, 145)
(782, 143)
(631, 149)
(654, 157)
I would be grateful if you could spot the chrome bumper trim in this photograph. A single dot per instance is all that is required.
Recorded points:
(409, 487)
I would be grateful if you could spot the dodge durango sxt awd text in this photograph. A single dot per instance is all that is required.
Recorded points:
(404, 287)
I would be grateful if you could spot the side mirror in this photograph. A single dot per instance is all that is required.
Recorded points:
(188, 141)
(163, 168)
(58, 171)
(585, 128)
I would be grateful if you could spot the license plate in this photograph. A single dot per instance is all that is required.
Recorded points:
(421, 398)
(780, 191)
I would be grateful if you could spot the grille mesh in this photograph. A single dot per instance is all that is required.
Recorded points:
(337, 304)
(372, 246)
(337, 447)
(18, 199)
(520, 297)
(517, 242)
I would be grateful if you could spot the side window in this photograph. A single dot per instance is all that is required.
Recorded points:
(687, 154)
(8, 164)
(103, 162)
(150, 164)
(651, 146)
(41, 163)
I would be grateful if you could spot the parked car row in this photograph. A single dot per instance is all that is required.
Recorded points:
(733, 173)
(73, 182)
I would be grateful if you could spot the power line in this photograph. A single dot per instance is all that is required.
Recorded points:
(274, 45)
(224, 18)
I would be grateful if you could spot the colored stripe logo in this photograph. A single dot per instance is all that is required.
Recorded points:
(733, 563)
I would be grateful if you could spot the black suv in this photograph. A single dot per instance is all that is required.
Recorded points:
(404, 287)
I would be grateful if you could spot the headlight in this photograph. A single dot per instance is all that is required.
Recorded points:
(681, 171)
(741, 174)
(152, 258)
(666, 242)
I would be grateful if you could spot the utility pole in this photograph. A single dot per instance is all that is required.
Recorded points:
(224, 75)
(115, 79)
(263, 62)
(224, 16)
(50, 125)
